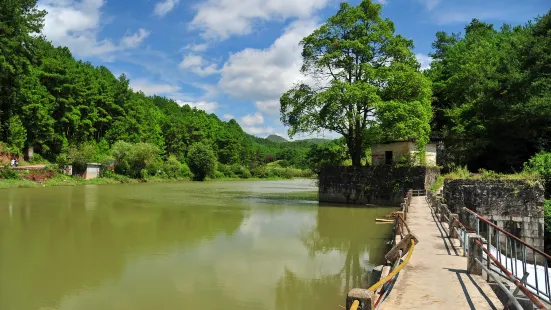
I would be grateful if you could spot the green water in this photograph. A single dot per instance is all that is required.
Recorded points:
(216, 245)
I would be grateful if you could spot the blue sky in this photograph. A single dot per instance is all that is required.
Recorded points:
(236, 57)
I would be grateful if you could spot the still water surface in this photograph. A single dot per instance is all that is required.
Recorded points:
(215, 245)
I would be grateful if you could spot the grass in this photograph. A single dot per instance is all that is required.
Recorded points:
(64, 180)
(437, 184)
(483, 174)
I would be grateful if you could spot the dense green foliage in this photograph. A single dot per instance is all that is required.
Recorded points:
(202, 161)
(373, 89)
(492, 94)
(541, 164)
(328, 154)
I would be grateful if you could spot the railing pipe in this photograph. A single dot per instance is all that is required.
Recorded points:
(507, 233)
(510, 276)
(503, 288)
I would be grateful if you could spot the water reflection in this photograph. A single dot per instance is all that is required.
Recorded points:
(180, 246)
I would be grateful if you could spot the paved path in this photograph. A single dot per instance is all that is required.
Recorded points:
(436, 276)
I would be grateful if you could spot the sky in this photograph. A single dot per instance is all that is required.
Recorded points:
(235, 58)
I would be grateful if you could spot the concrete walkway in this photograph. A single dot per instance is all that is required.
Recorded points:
(436, 276)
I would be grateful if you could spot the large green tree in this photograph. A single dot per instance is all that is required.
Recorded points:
(20, 22)
(368, 85)
(491, 93)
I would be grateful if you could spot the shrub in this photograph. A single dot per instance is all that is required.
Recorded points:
(8, 174)
(80, 156)
(488, 174)
(284, 163)
(224, 171)
(38, 159)
(541, 164)
(240, 171)
(184, 171)
(172, 167)
(459, 173)
(259, 172)
(202, 161)
(136, 160)
(438, 183)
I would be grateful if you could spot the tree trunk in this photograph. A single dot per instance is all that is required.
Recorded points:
(355, 149)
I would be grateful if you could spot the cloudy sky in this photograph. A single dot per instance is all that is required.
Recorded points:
(236, 57)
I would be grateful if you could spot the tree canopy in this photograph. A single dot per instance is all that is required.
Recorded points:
(492, 91)
(364, 82)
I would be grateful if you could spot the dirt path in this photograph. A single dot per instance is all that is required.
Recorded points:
(436, 276)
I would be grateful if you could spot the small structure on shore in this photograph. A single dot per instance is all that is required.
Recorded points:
(394, 151)
(92, 171)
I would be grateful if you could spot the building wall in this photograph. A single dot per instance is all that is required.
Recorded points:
(92, 171)
(400, 149)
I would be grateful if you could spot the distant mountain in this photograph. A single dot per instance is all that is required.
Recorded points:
(276, 138)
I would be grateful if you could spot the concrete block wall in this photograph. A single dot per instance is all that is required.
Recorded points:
(505, 202)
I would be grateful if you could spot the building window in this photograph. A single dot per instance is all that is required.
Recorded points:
(388, 157)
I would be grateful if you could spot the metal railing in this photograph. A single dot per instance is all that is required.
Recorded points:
(521, 259)
(491, 261)
(501, 251)
(418, 192)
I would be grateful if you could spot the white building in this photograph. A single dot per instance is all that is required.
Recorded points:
(396, 151)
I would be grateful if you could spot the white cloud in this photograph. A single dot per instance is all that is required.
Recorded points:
(268, 106)
(429, 4)
(198, 65)
(381, 1)
(263, 75)
(201, 47)
(208, 107)
(424, 60)
(76, 24)
(228, 117)
(252, 119)
(150, 89)
(258, 130)
(163, 7)
(134, 40)
(222, 18)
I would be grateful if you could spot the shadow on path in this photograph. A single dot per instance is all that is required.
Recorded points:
(458, 273)
(444, 236)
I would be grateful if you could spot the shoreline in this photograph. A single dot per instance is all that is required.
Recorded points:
(69, 181)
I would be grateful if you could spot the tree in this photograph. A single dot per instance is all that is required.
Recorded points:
(367, 77)
(202, 161)
(20, 22)
(17, 134)
(491, 93)
(328, 154)
(541, 164)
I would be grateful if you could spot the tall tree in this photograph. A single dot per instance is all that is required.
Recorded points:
(491, 94)
(367, 82)
(20, 21)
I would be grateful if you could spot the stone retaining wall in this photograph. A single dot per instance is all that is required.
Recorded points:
(515, 205)
(377, 185)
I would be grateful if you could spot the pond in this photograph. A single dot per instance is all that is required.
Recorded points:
(213, 245)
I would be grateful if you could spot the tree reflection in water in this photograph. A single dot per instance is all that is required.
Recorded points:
(346, 230)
